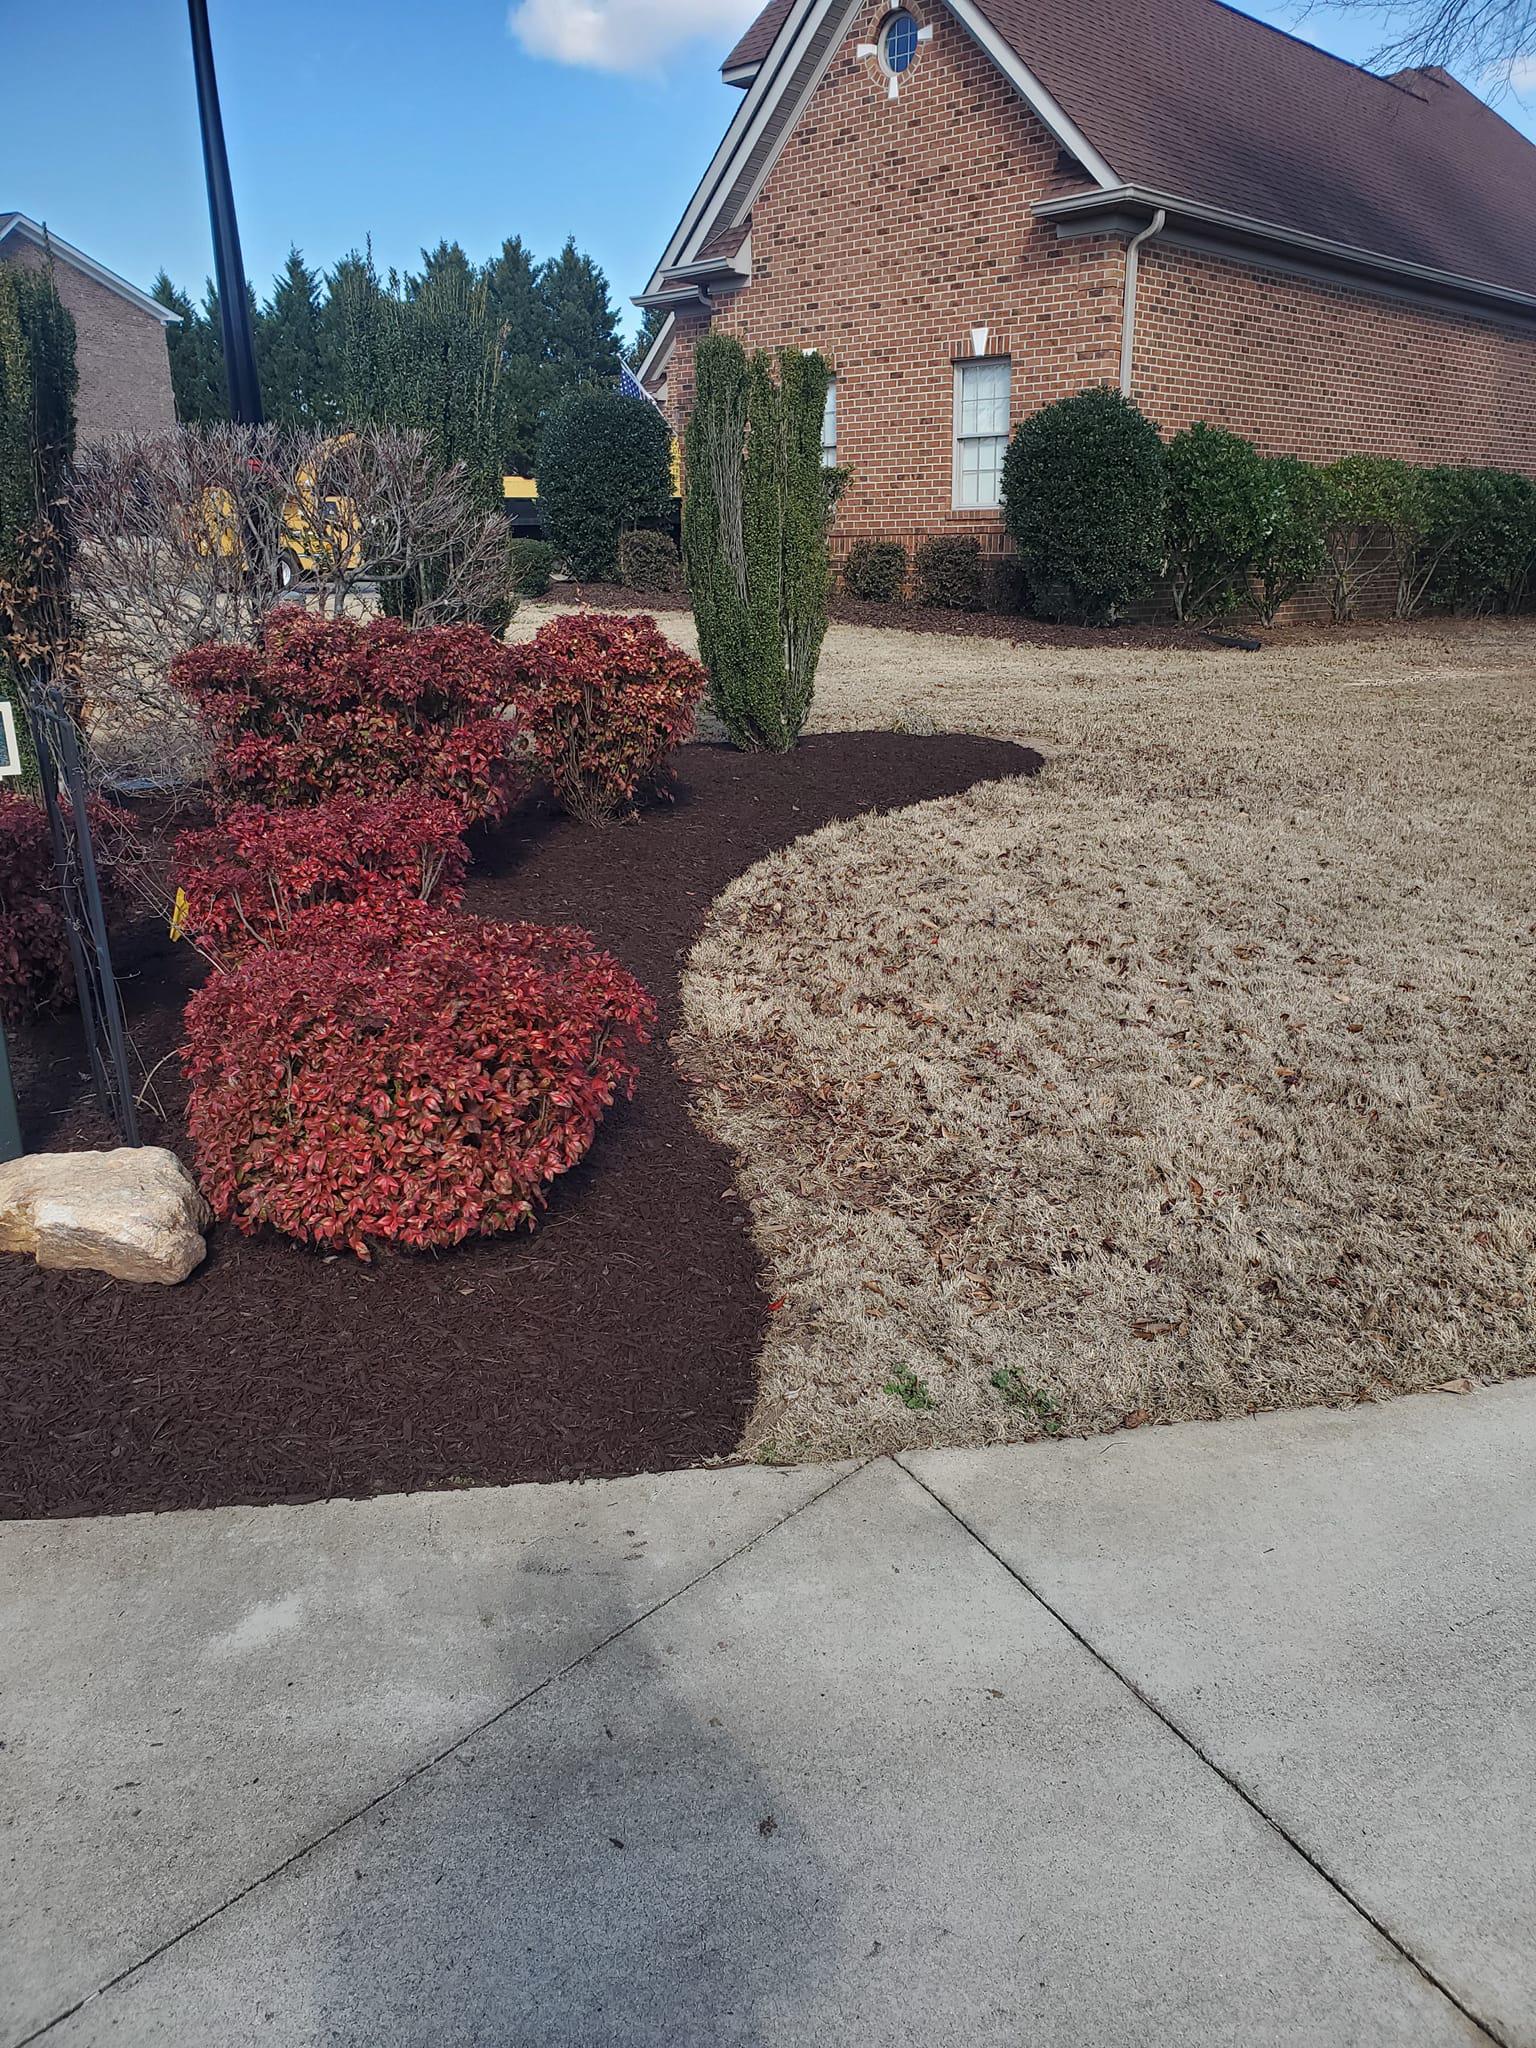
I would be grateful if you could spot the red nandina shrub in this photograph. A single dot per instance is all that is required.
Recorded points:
(602, 699)
(358, 1090)
(331, 707)
(256, 878)
(36, 974)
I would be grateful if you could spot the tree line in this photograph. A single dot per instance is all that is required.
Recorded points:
(473, 354)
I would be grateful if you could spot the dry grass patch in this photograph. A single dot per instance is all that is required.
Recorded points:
(1193, 1077)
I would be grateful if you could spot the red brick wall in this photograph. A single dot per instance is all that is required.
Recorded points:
(887, 230)
(1319, 369)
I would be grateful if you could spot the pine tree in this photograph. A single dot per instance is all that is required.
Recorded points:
(526, 388)
(581, 342)
(351, 340)
(446, 264)
(294, 388)
(197, 354)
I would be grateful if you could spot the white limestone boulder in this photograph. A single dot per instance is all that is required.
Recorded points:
(134, 1213)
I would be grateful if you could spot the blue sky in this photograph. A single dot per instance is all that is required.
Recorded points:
(404, 118)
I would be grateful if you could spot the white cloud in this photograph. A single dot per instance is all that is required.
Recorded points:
(623, 35)
(1521, 74)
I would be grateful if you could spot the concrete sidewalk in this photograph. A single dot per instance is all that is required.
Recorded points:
(1221, 1734)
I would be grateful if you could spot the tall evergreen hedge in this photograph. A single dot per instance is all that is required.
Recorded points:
(605, 465)
(37, 445)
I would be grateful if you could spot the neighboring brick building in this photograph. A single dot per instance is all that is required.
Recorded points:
(121, 358)
(944, 198)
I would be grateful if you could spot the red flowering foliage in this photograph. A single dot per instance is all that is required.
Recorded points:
(256, 878)
(35, 970)
(332, 707)
(602, 699)
(358, 1090)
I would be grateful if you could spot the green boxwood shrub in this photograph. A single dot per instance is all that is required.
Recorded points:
(533, 566)
(605, 464)
(876, 570)
(1378, 508)
(1215, 520)
(649, 561)
(1083, 484)
(950, 572)
(1292, 550)
(1007, 587)
(1479, 540)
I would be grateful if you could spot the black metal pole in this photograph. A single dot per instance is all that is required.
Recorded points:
(10, 1121)
(228, 265)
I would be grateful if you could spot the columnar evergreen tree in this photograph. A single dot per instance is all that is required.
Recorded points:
(294, 386)
(581, 327)
(197, 355)
(517, 313)
(351, 340)
(652, 320)
(755, 521)
(37, 444)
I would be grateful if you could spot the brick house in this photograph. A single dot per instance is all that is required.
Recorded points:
(121, 359)
(973, 207)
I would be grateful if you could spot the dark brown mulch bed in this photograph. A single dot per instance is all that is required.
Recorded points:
(619, 1336)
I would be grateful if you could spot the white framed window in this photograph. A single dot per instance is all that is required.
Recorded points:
(829, 427)
(982, 391)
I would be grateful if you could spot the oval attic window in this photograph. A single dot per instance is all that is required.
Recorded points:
(898, 42)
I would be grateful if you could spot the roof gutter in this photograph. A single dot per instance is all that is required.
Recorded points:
(1194, 213)
(1153, 227)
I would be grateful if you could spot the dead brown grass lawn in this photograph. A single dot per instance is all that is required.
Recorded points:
(1193, 1077)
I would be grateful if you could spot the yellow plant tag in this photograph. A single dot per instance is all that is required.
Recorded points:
(180, 911)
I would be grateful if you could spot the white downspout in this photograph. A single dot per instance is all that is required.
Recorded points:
(1153, 227)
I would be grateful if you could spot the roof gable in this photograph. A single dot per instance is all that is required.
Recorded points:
(1193, 100)
(21, 228)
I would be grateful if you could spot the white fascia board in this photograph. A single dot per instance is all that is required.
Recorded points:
(1029, 88)
(757, 108)
(659, 353)
(1347, 254)
(44, 238)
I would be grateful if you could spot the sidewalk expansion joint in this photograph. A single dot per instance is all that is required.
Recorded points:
(1483, 2026)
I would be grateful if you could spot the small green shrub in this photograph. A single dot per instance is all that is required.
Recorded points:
(1006, 585)
(1083, 484)
(950, 573)
(1479, 541)
(1215, 519)
(1297, 509)
(533, 566)
(876, 570)
(1378, 505)
(605, 464)
(649, 561)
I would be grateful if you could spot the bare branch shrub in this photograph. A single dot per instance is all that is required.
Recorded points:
(197, 535)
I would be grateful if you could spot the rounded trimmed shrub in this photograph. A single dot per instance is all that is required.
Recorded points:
(336, 707)
(532, 564)
(876, 570)
(605, 464)
(1217, 507)
(602, 698)
(362, 1090)
(950, 573)
(649, 561)
(1083, 485)
(257, 877)
(1292, 548)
